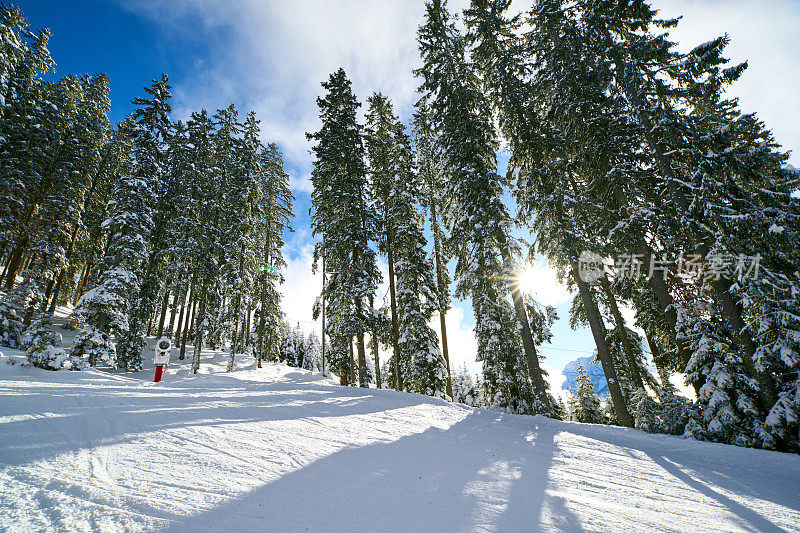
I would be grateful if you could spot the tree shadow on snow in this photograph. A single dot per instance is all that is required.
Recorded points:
(477, 475)
(704, 465)
(47, 419)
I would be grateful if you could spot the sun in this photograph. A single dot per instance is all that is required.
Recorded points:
(527, 279)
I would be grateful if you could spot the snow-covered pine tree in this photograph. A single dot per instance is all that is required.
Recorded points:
(274, 214)
(344, 215)
(728, 398)
(43, 346)
(25, 141)
(584, 405)
(313, 359)
(384, 166)
(105, 308)
(431, 169)
(241, 253)
(478, 220)
(398, 193)
(149, 129)
(464, 388)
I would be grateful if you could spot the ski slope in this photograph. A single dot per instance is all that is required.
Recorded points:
(281, 449)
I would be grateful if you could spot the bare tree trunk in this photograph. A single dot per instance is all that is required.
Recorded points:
(351, 377)
(398, 373)
(177, 334)
(322, 293)
(342, 354)
(81, 283)
(6, 263)
(176, 300)
(437, 263)
(599, 334)
(163, 316)
(14, 263)
(362, 355)
(188, 326)
(622, 331)
(63, 272)
(47, 293)
(198, 328)
(246, 336)
(531, 357)
(375, 349)
(236, 311)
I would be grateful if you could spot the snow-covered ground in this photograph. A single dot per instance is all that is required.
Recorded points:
(281, 449)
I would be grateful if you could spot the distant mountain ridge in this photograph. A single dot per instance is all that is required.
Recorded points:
(595, 372)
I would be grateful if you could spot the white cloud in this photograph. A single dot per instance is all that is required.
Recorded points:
(272, 56)
(301, 289)
(555, 379)
(762, 32)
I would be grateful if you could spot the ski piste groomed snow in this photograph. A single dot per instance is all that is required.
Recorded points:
(283, 449)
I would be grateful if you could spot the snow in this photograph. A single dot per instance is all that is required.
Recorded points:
(282, 449)
(774, 228)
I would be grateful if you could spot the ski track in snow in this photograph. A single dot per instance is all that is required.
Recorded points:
(282, 449)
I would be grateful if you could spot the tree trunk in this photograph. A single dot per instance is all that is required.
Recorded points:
(151, 321)
(62, 274)
(198, 328)
(599, 334)
(362, 355)
(246, 332)
(6, 263)
(398, 373)
(438, 264)
(351, 367)
(377, 359)
(322, 293)
(50, 284)
(343, 374)
(57, 291)
(163, 316)
(362, 361)
(176, 300)
(81, 283)
(188, 325)
(659, 287)
(375, 347)
(177, 334)
(15, 263)
(531, 357)
(236, 311)
(622, 331)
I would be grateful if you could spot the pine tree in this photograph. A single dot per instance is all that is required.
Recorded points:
(584, 405)
(431, 170)
(149, 130)
(398, 192)
(44, 348)
(478, 220)
(105, 309)
(464, 389)
(343, 214)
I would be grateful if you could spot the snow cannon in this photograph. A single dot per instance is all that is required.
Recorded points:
(161, 358)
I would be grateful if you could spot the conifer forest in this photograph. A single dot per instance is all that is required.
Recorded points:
(575, 134)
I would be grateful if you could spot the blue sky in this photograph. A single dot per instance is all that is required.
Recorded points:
(271, 57)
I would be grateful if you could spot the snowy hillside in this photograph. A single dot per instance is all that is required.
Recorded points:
(281, 449)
